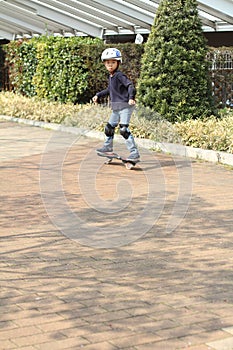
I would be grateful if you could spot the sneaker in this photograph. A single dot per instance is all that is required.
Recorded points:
(134, 156)
(104, 149)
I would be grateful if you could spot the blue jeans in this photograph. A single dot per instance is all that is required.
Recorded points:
(122, 116)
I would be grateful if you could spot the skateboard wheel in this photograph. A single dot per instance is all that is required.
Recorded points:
(108, 161)
(128, 166)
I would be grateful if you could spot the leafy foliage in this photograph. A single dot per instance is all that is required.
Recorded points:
(70, 70)
(64, 69)
(2, 59)
(21, 58)
(61, 74)
(174, 75)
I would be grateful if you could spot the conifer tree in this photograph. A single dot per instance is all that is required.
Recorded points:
(174, 79)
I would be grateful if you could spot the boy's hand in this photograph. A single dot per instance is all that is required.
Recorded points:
(95, 99)
(131, 102)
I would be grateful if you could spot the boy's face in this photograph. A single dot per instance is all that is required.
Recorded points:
(111, 65)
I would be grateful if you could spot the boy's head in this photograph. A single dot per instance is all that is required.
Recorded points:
(111, 53)
(111, 58)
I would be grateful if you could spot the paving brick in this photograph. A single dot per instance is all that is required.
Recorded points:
(98, 346)
(77, 342)
(5, 325)
(134, 340)
(198, 347)
(95, 311)
(18, 332)
(7, 344)
(37, 339)
(62, 325)
(162, 345)
(177, 332)
(161, 291)
(107, 335)
(153, 326)
(27, 348)
(131, 322)
(106, 317)
(44, 319)
(86, 331)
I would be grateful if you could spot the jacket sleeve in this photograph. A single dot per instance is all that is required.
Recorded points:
(103, 93)
(131, 91)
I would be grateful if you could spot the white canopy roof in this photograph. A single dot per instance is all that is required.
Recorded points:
(97, 18)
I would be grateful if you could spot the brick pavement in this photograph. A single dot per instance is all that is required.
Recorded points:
(141, 284)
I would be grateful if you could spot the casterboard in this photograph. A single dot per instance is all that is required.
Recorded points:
(129, 164)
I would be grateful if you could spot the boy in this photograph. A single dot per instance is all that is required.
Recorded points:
(122, 96)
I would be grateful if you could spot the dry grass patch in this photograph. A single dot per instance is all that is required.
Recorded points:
(209, 133)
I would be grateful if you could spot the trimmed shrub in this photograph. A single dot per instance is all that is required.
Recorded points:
(174, 79)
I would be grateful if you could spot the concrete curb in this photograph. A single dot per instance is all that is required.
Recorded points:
(171, 148)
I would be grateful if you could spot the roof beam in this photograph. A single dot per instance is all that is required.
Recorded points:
(12, 28)
(91, 14)
(29, 19)
(59, 18)
(207, 22)
(76, 24)
(99, 18)
(54, 14)
(117, 16)
(79, 14)
(124, 10)
(150, 7)
(19, 20)
(221, 9)
(19, 5)
(155, 3)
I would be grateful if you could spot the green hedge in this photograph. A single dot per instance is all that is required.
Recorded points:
(2, 59)
(64, 69)
(70, 69)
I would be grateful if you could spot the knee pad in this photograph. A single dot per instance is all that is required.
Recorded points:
(109, 130)
(124, 131)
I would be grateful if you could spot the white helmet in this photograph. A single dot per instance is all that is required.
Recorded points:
(111, 53)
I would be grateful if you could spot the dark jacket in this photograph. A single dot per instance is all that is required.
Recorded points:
(120, 89)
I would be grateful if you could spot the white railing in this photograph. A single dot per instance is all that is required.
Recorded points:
(221, 60)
